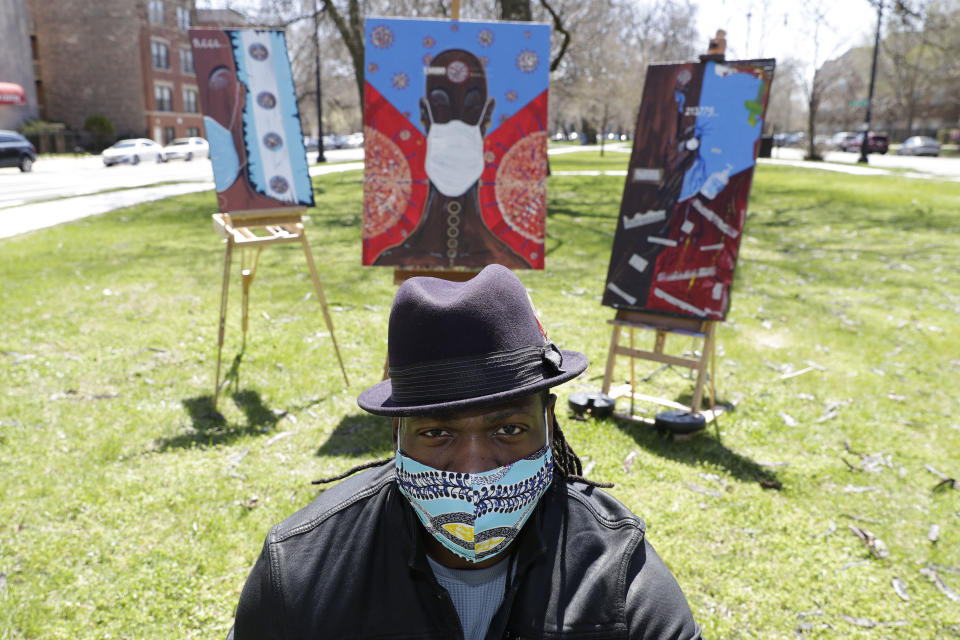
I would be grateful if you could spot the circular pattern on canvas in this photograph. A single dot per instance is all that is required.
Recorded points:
(272, 141)
(381, 37)
(386, 183)
(258, 51)
(266, 100)
(457, 71)
(521, 186)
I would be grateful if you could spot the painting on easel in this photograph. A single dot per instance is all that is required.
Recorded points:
(685, 198)
(455, 138)
(251, 119)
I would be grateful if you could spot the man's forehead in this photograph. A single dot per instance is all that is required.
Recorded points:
(524, 404)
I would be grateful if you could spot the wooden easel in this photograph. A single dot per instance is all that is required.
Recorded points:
(663, 326)
(252, 231)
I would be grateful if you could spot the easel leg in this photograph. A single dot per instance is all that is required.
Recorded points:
(323, 301)
(633, 384)
(713, 364)
(248, 271)
(228, 256)
(608, 374)
(702, 371)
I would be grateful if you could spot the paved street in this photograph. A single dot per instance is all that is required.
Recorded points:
(942, 167)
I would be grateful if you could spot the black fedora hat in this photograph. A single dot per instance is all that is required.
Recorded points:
(461, 345)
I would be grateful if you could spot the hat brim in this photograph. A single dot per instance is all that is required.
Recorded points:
(378, 399)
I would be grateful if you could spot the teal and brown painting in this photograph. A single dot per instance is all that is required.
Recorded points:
(685, 198)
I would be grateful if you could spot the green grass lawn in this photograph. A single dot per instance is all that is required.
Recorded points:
(129, 510)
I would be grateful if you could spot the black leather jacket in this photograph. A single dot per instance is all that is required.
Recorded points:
(352, 564)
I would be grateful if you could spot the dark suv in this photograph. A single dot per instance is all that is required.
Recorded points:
(16, 151)
(876, 143)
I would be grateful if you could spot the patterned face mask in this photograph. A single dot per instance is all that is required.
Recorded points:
(476, 515)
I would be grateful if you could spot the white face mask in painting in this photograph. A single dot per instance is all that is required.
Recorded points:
(454, 160)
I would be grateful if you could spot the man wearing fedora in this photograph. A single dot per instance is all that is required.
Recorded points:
(481, 526)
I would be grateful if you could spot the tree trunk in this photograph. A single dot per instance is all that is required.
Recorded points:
(351, 30)
(515, 10)
(813, 105)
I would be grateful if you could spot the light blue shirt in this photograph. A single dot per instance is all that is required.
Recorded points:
(476, 594)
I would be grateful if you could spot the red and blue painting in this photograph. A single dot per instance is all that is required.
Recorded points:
(455, 139)
(685, 198)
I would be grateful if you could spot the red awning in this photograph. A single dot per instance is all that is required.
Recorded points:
(11, 93)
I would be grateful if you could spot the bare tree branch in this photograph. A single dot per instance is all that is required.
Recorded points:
(558, 26)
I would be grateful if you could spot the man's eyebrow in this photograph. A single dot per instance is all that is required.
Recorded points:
(503, 414)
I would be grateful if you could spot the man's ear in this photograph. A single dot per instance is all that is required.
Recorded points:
(396, 432)
(424, 115)
(551, 405)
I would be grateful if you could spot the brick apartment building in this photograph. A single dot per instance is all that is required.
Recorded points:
(127, 60)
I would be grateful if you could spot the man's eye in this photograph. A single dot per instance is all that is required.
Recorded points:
(433, 433)
(510, 430)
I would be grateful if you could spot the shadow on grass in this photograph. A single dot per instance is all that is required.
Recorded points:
(360, 435)
(208, 426)
(699, 449)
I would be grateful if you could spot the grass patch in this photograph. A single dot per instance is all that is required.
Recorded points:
(130, 509)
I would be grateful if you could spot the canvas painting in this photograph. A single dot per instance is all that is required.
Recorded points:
(455, 138)
(685, 198)
(250, 119)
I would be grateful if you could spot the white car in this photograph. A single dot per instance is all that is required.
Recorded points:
(919, 146)
(132, 151)
(187, 149)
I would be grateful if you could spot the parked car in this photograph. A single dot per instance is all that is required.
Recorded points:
(333, 141)
(16, 151)
(919, 146)
(876, 143)
(132, 151)
(840, 139)
(787, 139)
(310, 143)
(355, 140)
(186, 149)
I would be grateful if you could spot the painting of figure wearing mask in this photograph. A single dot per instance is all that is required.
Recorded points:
(455, 143)
(251, 119)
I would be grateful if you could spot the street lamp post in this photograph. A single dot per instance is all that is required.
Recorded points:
(316, 62)
(873, 77)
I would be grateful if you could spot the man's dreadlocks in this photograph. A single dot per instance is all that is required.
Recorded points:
(566, 462)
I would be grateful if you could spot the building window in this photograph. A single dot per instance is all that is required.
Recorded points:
(168, 135)
(164, 97)
(193, 132)
(155, 11)
(183, 18)
(190, 101)
(186, 61)
(160, 53)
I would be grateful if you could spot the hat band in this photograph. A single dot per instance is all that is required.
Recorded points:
(462, 378)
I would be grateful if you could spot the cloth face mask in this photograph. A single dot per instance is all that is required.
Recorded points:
(475, 515)
(454, 159)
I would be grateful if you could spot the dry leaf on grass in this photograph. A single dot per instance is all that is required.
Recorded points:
(876, 546)
(628, 461)
(901, 589)
(869, 624)
(699, 489)
(940, 584)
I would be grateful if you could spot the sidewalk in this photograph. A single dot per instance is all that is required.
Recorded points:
(30, 217)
